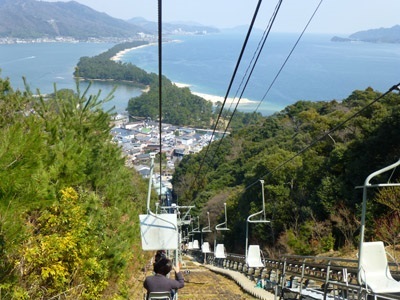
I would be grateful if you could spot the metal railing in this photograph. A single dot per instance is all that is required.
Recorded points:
(304, 277)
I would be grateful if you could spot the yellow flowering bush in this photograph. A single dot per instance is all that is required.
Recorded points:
(64, 253)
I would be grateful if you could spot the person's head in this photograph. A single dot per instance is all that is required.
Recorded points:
(160, 254)
(163, 266)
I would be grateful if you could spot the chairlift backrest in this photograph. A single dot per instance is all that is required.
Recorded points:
(190, 245)
(159, 232)
(253, 258)
(196, 244)
(205, 248)
(374, 269)
(160, 296)
(220, 251)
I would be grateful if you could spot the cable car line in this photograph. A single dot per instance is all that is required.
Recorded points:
(257, 55)
(252, 65)
(258, 50)
(229, 88)
(160, 84)
(289, 55)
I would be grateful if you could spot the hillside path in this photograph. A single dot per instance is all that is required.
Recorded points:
(207, 282)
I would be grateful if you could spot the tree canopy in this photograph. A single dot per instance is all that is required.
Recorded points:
(65, 192)
(309, 180)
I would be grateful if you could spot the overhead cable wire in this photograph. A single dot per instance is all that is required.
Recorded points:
(251, 67)
(264, 38)
(393, 88)
(230, 86)
(258, 50)
(160, 83)
(289, 55)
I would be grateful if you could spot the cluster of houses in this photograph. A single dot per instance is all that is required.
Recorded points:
(138, 139)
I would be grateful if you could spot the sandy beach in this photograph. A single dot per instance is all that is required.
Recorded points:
(120, 54)
(214, 99)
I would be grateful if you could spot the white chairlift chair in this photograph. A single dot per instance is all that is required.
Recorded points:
(253, 252)
(220, 251)
(253, 259)
(196, 244)
(205, 248)
(158, 231)
(373, 267)
(190, 245)
(160, 296)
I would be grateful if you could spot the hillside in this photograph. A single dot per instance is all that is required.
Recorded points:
(310, 178)
(379, 35)
(36, 19)
(68, 204)
(32, 19)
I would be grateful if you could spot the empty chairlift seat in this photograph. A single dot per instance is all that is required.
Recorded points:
(220, 251)
(253, 259)
(205, 248)
(374, 270)
(196, 244)
(190, 245)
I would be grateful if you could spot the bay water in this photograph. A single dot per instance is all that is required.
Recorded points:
(317, 69)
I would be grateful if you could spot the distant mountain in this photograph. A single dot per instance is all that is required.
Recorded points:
(173, 28)
(380, 35)
(37, 19)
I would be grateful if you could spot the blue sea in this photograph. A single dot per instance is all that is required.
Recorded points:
(317, 69)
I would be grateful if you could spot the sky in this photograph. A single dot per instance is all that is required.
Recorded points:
(333, 16)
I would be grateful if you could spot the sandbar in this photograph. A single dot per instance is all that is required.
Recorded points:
(215, 99)
(120, 54)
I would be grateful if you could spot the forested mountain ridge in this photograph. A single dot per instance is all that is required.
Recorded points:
(37, 19)
(311, 198)
(33, 19)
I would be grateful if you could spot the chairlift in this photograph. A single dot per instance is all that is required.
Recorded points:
(253, 248)
(207, 228)
(190, 245)
(223, 226)
(373, 269)
(219, 253)
(158, 231)
(187, 218)
(195, 244)
(205, 247)
(197, 229)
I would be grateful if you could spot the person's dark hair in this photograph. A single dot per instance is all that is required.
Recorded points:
(160, 254)
(163, 266)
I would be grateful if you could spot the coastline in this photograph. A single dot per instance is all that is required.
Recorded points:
(215, 99)
(120, 54)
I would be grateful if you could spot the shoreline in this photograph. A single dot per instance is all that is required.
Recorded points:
(214, 99)
(120, 54)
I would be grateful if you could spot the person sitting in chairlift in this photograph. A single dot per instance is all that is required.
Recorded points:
(159, 282)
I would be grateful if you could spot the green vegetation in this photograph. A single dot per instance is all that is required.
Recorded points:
(310, 197)
(69, 207)
(179, 105)
(101, 67)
